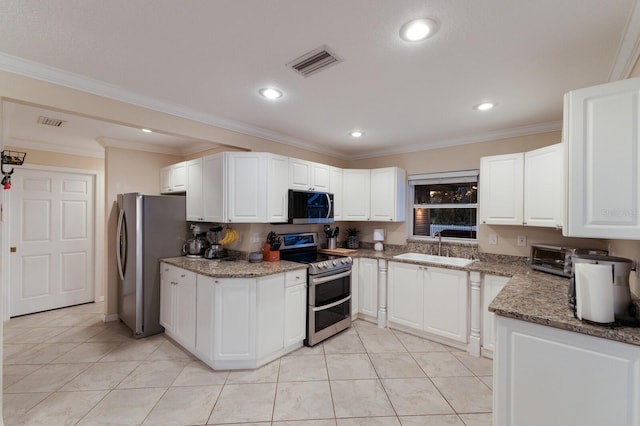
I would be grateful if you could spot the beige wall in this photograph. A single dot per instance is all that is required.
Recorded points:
(54, 159)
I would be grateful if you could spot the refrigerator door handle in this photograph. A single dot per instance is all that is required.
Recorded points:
(120, 247)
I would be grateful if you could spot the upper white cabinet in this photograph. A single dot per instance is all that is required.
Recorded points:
(543, 186)
(501, 186)
(173, 178)
(247, 187)
(388, 189)
(309, 176)
(336, 189)
(522, 188)
(377, 194)
(601, 130)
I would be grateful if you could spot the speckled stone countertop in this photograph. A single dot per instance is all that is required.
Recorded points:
(232, 269)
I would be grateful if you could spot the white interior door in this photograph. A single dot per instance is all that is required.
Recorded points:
(52, 231)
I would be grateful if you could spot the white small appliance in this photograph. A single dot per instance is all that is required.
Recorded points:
(378, 237)
(600, 289)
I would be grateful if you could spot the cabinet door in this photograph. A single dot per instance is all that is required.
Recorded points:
(235, 322)
(270, 311)
(406, 294)
(179, 177)
(213, 188)
(446, 303)
(320, 177)
(277, 189)
(355, 288)
(195, 204)
(388, 194)
(299, 174)
(335, 188)
(205, 303)
(247, 187)
(166, 180)
(356, 184)
(603, 153)
(295, 318)
(543, 188)
(185, 309)
(368, 287)
(491, 286)
(501, 187)
(168, 279)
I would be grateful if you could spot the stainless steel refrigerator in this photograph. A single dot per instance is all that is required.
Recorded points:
(150, 227)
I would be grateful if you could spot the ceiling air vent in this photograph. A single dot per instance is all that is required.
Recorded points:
(315, 61)
(47, 121)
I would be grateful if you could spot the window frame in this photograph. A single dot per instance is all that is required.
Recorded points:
(461, 176)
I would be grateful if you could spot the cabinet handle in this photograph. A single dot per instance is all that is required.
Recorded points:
(216, 281)
(182, 275)
(484, 221)
(524, 223)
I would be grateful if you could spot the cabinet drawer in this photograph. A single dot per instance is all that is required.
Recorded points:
(299, 276)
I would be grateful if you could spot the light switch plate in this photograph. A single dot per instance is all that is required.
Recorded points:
(522, 241)
(493, 239)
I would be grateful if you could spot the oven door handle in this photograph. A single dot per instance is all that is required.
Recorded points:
(331, 305)
(316, 281)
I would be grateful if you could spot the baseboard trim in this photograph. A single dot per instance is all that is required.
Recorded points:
(110, 318)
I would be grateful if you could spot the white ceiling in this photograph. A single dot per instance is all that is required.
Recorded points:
(206, 60)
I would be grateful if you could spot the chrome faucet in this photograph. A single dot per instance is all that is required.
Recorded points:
(439, 235)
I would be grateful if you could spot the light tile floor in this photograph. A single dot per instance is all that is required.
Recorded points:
(66, 367)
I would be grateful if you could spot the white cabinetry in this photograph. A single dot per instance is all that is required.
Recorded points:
(603, 159)
(501, 186)
(309, 176)
(388, 189)
(356, 184)
(543, 186)
(178, 304)
(277, 184)
(548, 376)
(368, 287)
(336, 189)
(491, 286)
(270, 294)
(205, 189)
(173, 178)
(430, 299)
(522, 188)
(246, 187)
(295, 307)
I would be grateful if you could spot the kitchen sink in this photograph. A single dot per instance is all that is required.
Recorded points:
(430, 258)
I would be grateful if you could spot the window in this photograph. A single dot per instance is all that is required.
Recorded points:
(445, 204)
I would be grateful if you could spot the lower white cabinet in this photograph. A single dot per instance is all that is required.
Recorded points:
(178, 305)
(368, 287)
(491, 286)
(295, 307)
(234, 323)
(430, 299)
(547, 376)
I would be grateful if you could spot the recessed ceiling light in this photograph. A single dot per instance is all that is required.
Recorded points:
(485, 106)
(270, 93)
(146, 130)
(418, 29)
(356, 134)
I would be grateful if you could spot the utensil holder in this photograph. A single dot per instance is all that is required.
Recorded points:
(331, 243)
(268, 255)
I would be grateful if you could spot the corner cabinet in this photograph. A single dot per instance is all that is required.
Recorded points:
(430, 299)
(601, 130)
(524, 188)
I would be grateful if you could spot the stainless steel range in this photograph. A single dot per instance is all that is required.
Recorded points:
(329, 291)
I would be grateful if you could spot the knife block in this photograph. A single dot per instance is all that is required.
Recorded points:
(268, 255)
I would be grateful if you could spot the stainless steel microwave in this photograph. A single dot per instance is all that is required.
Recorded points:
(310, 207)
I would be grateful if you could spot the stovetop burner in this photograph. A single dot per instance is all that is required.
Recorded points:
(303, 248)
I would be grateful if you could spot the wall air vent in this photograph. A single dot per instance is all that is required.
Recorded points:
(47, 121)
(315, 61)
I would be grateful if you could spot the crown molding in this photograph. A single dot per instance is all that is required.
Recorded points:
(551, 126)
(98, 152)
(629, 47)
(53, 75)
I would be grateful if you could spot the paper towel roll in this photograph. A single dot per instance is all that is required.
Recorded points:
(594, 292)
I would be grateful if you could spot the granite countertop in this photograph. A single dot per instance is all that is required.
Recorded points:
(232, 269)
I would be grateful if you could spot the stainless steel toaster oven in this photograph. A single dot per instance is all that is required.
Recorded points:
(557, 259)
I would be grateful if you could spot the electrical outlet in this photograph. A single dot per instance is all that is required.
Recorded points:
(255, 237)
(493, 239)
(522, 241)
